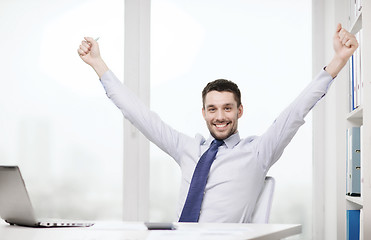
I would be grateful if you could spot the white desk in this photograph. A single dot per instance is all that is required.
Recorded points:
(137, 231)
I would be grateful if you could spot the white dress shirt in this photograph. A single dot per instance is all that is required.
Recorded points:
(239, 169)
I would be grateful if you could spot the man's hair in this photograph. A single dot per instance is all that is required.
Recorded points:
(222, 85)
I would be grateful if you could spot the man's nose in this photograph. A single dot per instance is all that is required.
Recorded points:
(220, 116)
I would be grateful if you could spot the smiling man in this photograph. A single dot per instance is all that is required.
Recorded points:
(222, 175)
(221, 108)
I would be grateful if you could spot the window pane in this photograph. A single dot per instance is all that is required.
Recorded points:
(263, 46)
(56, 121)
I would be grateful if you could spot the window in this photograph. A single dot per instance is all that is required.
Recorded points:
(263, 46)
(56, 121)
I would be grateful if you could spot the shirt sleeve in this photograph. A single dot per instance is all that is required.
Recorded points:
(272, 143)
(146, 121)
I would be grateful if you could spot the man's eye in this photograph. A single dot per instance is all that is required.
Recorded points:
(228, 109)
(211, 109)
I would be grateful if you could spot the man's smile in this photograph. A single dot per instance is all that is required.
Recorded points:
(221, 125)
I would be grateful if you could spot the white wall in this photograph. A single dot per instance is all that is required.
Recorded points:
(329, 132)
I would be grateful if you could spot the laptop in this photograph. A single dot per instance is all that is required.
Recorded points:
(15, 204)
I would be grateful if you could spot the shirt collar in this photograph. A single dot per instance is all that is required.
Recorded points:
(229, 142)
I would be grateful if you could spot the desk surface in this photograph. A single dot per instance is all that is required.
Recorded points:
(137, 231)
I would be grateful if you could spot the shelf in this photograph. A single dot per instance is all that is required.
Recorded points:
(356, 116)
(357, 202)
(331, 143)
(357, 25)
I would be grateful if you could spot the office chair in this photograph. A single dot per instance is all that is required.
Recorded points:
(263, 205)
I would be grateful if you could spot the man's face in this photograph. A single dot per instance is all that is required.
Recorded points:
(221, 114)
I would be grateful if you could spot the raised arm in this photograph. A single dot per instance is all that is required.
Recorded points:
(273, 142)
(132, 108)
(344, 44)
(89, 52)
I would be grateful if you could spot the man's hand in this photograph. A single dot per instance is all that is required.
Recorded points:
(345, 44)
(89, 52)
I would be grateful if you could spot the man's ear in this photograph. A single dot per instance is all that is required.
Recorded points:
(204, 113)
(240, 111)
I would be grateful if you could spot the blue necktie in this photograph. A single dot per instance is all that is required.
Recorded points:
(192, 206)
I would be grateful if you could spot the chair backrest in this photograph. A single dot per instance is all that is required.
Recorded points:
(263, 205)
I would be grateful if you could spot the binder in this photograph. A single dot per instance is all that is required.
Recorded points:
(353, 168)
(353, 224)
